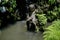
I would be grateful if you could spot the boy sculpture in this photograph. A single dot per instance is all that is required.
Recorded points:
(31, 18)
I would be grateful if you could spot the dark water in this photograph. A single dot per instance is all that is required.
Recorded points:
(18, 32)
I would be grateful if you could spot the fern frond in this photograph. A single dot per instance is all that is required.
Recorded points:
(53, 31)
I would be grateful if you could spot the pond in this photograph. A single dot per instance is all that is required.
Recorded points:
(18, 31)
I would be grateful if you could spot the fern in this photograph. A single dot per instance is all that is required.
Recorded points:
(53, 31)
(42, 19)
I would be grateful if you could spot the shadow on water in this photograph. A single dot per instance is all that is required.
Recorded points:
(6, 24)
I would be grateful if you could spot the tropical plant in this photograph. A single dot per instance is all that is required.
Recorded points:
(53, 31)
(52, 1)
(42, 19)
(52, 15)
(8, 9)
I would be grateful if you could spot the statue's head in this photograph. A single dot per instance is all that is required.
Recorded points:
(32, 7)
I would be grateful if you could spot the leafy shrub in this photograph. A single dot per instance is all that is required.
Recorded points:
(42, 19)
(52, 15)
(11, 3)
(53, 31)
(8, 9)
(52, 1)
(52, 12)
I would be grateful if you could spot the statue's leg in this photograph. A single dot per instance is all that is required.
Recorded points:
(33, 27)
(28, 25)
